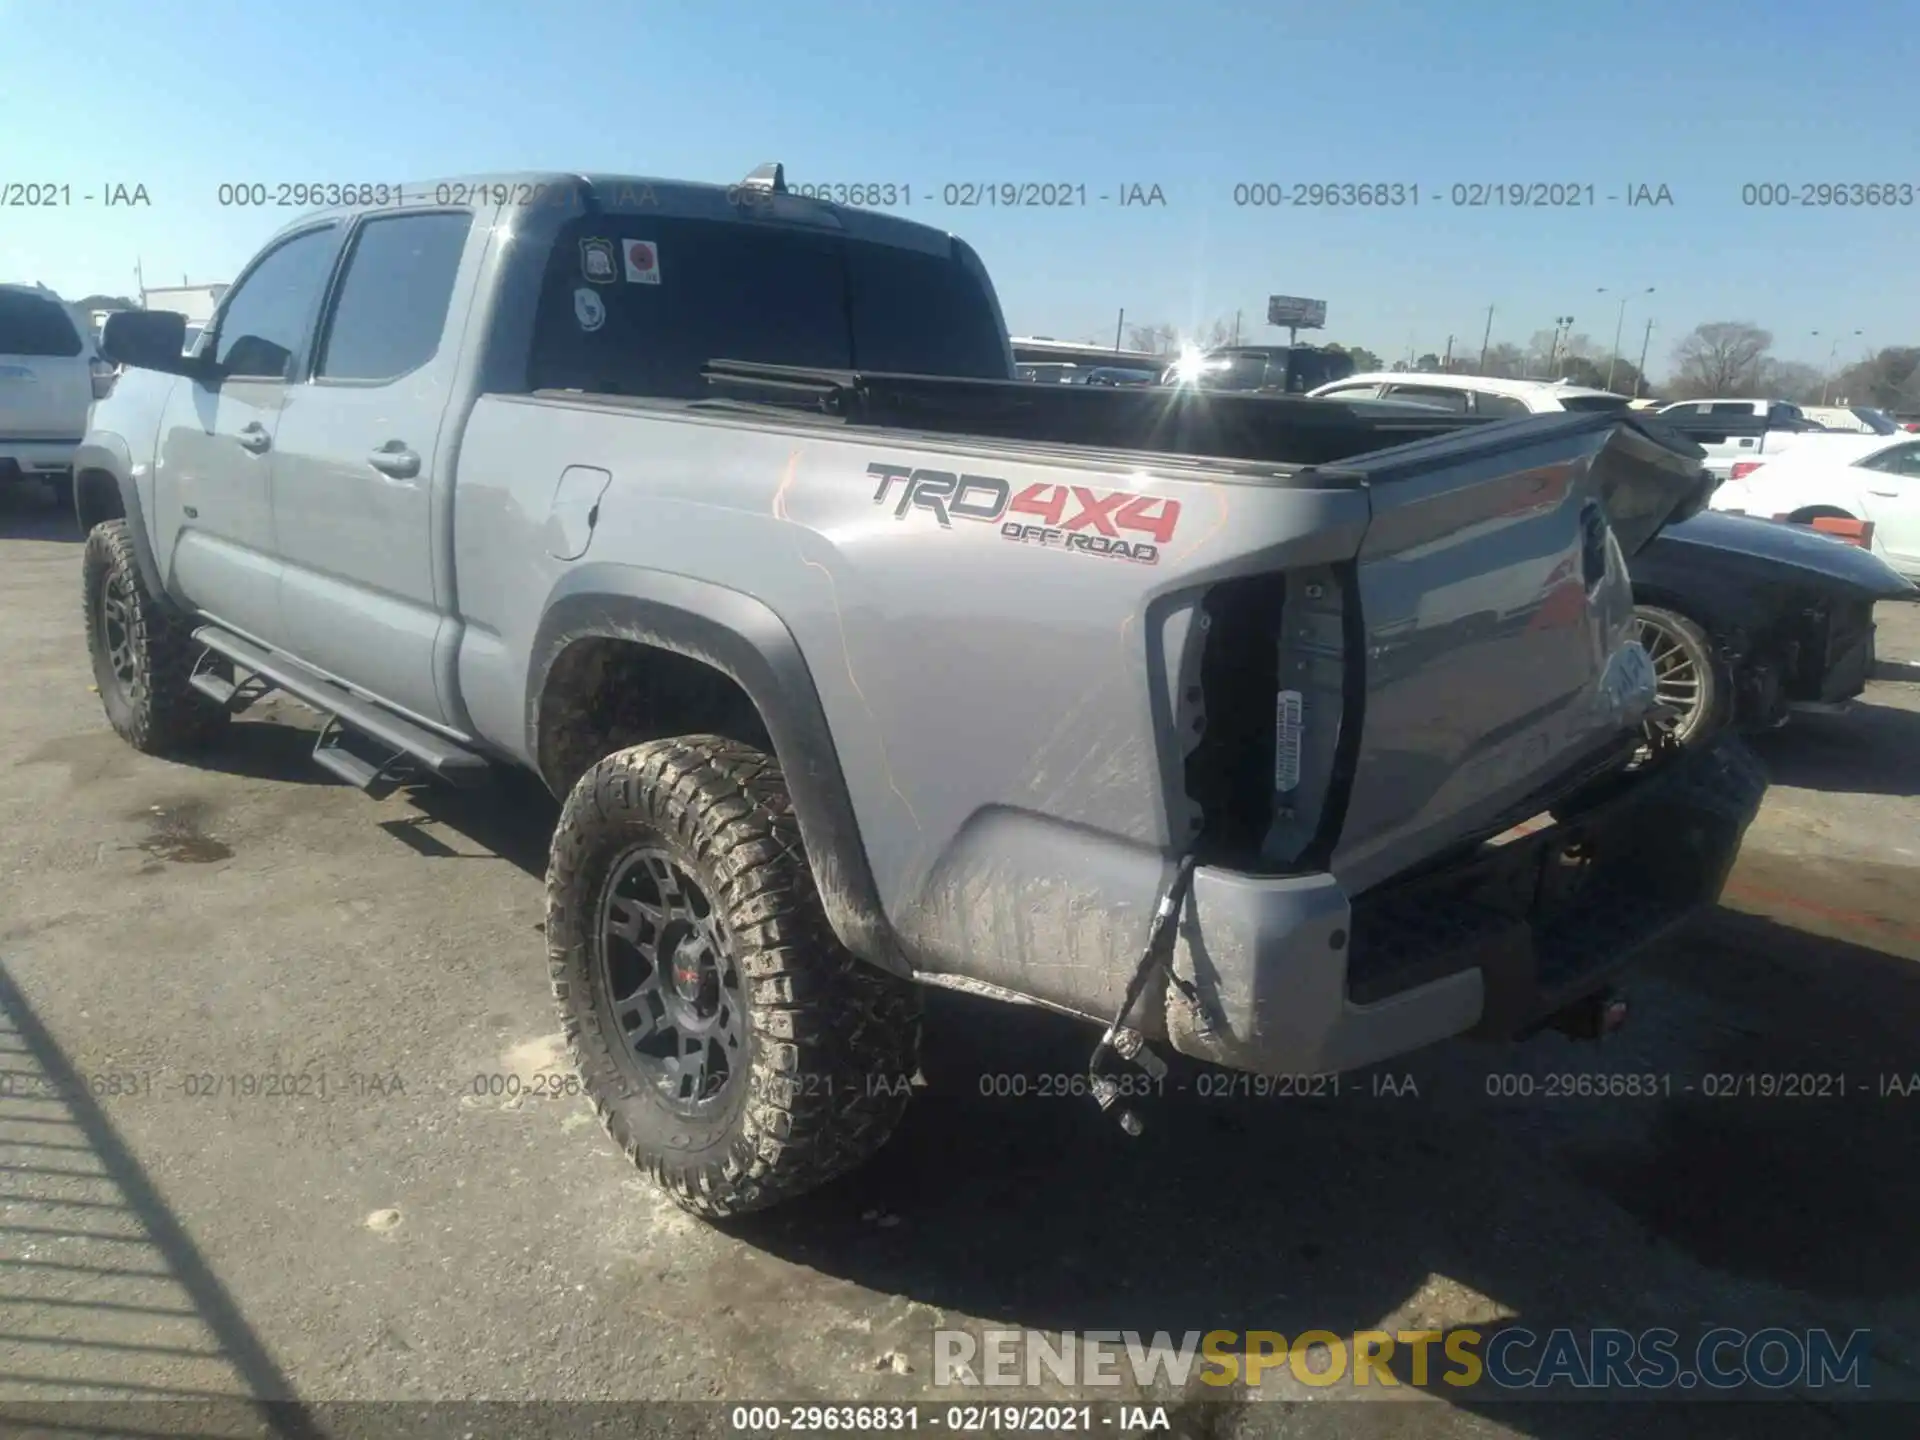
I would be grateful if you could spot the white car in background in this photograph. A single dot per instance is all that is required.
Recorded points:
(1852, 419)
(50, 375)
(1471, 394)
(1874, 478)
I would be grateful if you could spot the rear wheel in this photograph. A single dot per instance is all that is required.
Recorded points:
(142, 652)
(732, 1047)
(1692, 685)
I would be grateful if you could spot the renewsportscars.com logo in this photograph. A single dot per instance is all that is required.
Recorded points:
(1511, 1359)
(1116, 524)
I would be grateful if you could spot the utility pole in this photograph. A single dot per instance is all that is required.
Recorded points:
(1641, 373)
(1118, 326)
(1560, 323)
(1446, 362)
(1486, 340)
(1618, 325)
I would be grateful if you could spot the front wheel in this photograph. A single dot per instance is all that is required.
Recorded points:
(1692, 685)
(732, 1047)
(142, 652)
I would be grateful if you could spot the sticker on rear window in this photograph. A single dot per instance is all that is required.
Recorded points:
(588, 309)
(643, 263)
(596, 261)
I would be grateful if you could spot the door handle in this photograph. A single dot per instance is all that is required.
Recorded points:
(254, 437)
(396, 460)
(1886, 494)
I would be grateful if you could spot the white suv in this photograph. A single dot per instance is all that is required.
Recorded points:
(1471, 394)
(50, 375)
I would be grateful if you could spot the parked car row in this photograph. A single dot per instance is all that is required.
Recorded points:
(1745, 620)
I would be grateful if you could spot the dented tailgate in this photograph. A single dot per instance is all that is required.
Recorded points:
(1496, 608)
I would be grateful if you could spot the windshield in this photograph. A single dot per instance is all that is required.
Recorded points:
(1878, 421)
(31, 324)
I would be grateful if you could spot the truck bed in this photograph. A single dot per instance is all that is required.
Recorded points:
(1283, 429)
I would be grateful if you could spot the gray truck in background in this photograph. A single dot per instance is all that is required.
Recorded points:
(859, 664)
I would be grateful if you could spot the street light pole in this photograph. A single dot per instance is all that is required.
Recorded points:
(1486, 340)
(1618, 326)
(1641, 374)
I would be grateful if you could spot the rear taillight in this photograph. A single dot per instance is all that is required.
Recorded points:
(103, 377)
(1840, 527)
(1744, 468)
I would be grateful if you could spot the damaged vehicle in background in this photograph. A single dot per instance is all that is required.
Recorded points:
(1748, 620)
(1745, 621)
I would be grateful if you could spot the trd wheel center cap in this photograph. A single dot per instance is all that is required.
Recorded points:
(695, 980)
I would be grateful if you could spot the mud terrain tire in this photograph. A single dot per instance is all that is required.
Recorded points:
(142, 652)
(677, 869)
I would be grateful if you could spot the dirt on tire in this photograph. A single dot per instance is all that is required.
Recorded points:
(833, 1042)
(155, 710)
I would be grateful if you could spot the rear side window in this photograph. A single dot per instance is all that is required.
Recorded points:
(34, 325)
(637, 306)
(1594, 402)
(912, 310)
(266, 318)
(1437, 396)
(1502, 406)
(1900, 460)
(392, 304)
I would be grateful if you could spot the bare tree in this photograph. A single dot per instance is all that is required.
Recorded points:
(1154, 339)
(1549, 351)
(1721, 357)
(1219, 333)
(1505, 361)
(1889, 380)
(1791, 380)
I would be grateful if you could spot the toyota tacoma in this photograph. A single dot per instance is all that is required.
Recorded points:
(1286, 734)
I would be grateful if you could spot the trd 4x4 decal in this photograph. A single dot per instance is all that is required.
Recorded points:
(1066, 517)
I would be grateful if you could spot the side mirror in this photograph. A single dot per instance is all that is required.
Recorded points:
(147, 340)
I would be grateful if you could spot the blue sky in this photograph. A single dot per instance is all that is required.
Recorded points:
(1195, 96)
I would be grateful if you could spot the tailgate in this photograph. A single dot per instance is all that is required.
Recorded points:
(44, 397)
(45, 386)
(1496, 610)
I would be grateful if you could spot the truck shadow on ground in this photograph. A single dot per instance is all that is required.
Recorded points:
(111, 1321)
(1873, 749)
(30, 511)
(1454, 1187)
(1234, 1211)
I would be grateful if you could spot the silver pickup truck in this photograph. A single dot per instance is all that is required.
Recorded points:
(1291, 734)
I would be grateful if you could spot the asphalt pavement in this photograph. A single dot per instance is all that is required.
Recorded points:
(286, 1116)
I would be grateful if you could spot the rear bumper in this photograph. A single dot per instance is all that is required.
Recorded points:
(36, 457)
(1291, 976)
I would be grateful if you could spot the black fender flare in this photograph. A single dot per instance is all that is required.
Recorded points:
(108, 453)
(745, 640)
